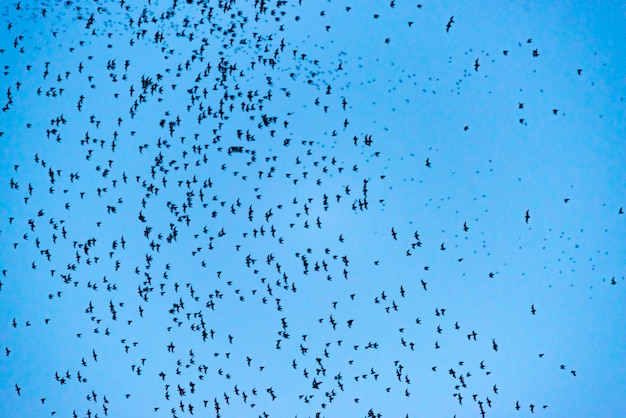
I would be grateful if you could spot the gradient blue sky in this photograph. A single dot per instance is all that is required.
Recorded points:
(354, 119)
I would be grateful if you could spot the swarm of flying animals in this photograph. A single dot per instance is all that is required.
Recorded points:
(202, 216)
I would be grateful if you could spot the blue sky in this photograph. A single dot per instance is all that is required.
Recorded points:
(310, 208)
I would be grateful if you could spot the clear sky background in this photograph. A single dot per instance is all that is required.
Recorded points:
(315, 208)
